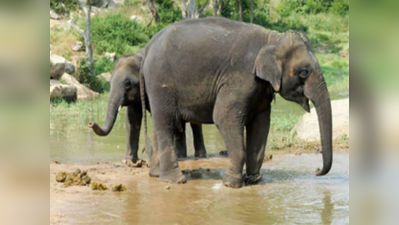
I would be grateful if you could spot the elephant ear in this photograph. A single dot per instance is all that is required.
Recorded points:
(267, 67)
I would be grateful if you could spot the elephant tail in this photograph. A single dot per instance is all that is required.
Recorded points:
(148, 147)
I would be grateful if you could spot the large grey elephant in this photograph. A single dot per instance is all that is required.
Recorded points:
(220, 71)
(125, 91)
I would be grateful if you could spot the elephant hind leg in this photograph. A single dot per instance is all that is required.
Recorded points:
(180, 142)
(257, 132)
(199, 145)
(166, 131)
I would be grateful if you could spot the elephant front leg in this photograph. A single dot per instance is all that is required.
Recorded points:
(180, 142)
(257, 133)
(199, 145)
(133, 125)
(230, 126)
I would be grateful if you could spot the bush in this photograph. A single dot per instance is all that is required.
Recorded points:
(116, 33)
(63, 6)
(86, 77)
(288, 7)
(340, 7)
(103, 65)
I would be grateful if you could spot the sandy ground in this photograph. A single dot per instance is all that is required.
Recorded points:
(106, 173)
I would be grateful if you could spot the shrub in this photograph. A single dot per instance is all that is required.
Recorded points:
(340, 7)
(86, 77)
(103, 65)
(63, 6)
(116, 33)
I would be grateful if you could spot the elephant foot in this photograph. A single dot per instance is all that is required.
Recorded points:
(181, 155)
(174, 176)
(154, 172)
(200, 154)
(252, 179)
(233, 181)
(134, 163)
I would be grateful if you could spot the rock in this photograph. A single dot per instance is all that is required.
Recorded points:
(69, 68)
(77, 46)
(137, 18)
(110, 56)
(115, 3)
(66, 25)
(83, 92)
(64, 91)
(54, 15)
(106, 77)
(57, 66)
(307, 129)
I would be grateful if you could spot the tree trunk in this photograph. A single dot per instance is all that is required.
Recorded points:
(183, 7)
(192, 10)
(252, 11)
(154, 12)
(239, 9)
(220, 7)
(89, 50)
(215, 7)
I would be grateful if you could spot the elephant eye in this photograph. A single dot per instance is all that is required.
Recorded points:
(127, 84)
(303, 73)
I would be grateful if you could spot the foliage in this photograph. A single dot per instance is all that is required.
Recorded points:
(288, 7)
(86, 77)
(116, 33)
(63, 6)
(103, 65)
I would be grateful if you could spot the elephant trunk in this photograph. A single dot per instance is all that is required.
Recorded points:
(114, 104)
(322, 103)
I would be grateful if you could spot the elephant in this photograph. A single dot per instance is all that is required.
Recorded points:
(125, 91)
(223, 72)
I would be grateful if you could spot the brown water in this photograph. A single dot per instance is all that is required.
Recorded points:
(289, 194)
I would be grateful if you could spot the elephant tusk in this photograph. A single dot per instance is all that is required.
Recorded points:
(119, 109)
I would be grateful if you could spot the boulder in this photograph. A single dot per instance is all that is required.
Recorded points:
(115, 3)
(106, 77)
(307, 129)
(83, 92)
(77, 46)
(64, 91)
(57, 66)
(137, 18)
(69, 68)
(54, 15)
(110, 56)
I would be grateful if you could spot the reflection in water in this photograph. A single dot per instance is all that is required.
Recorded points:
(326, 215)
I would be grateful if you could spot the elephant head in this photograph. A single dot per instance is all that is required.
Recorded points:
(292, 69)
(125, 90)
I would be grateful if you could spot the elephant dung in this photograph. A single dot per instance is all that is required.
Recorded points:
(77, 178)
(97, 186)
(118, 188)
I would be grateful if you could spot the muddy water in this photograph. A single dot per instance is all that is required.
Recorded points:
(289, 194)
(72, 142)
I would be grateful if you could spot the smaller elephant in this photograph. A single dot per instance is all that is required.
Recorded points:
(125, 91)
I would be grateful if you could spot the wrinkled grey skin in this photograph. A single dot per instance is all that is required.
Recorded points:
(219, 71)
(125, 91)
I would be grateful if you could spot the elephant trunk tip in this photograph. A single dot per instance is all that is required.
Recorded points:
(91, 125)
